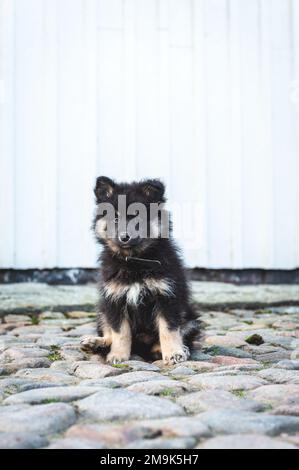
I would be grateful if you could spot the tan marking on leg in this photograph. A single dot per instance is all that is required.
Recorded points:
(173, 349)
(121, 344)
(105, 327)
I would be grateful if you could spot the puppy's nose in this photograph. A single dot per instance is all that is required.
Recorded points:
(124, 237)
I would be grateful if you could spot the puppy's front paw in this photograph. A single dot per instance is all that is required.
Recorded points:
(177, 356)
(113, 358)
(92, 343)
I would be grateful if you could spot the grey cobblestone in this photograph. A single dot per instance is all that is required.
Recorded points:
(198, 402)
(43, 395)
(250, 441)
(227, 382)
(39, 419)
(20, 440)
(117, 405)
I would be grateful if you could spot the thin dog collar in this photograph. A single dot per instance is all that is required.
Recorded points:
(149, 263)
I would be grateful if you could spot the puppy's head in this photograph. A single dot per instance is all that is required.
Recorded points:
(130, 217)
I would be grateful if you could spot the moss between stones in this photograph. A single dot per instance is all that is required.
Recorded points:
(212, 351)
(263, 312)
(239, 393)
(49, 401)
(11, 390)
(35, 320)
(167, 392)
(121, 366)
(256, 340)
(54, 355)
(268, 407)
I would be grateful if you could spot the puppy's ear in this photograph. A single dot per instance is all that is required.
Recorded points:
(104, 188)
(154, 190)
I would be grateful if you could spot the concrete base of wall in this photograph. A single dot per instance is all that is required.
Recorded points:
(85, 276)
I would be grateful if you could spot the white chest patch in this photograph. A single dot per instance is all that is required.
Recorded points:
(133, 292)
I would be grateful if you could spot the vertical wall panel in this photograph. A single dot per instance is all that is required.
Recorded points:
(71, 161)
(266, 182)
(182, 184)
(147, 88)
(218, 131)
(76, 147)
(294, 99)
(285, 178)
(235, 136)
(49, 200)
(110, 89)
(29, 125)
(89, 129)
(257, 174)
(7, 137)
(130, 81)
(200, 157)
(181, 99)
(202, 93)
(163, 113)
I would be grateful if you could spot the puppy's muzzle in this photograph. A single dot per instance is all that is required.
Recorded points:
(125, 240)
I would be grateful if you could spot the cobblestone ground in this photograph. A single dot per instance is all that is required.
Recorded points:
(240, 390)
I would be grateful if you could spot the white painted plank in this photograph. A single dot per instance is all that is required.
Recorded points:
(199, 254)
(50, 134)
(89, 128)
(182, 128)
(163, 156)
(256, 173)
(265, 116)
(110, 105)
(147, 89)
(235, 136)
(73, 167)
(7, 148)
(218, 131)
(285, 178)
(130, 81)
(249, 25)
(295, 112)
(29, 133)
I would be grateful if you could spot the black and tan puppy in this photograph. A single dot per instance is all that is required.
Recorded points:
(144, 307)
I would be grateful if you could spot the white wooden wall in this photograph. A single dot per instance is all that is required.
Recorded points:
(203, 93)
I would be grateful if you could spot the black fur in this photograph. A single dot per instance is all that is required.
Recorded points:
(176, 308)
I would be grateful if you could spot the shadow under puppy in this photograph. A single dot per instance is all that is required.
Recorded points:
(144, 303)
